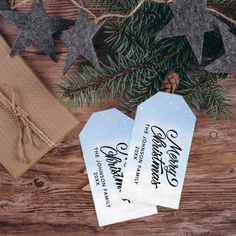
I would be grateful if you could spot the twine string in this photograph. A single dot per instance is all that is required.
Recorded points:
(25, 125)
(110, 15)
(132, 12)
(106, 16)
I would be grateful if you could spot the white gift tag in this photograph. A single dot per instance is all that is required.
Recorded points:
(159, 150)
(104, 142)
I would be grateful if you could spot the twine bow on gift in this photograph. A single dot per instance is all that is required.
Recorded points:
(24, 123)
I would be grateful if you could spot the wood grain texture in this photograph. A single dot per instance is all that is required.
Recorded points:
(49, 200)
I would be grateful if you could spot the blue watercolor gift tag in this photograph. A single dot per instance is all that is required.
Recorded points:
(104, 141)
(159, 151)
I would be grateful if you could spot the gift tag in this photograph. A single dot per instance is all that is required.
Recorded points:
(104, 142)
(159, 150)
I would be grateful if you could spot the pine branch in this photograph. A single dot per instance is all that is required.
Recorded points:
(115, 78)
(117, 5)
(141, 63)
(205, 92)
(141, 92)
(139, 31)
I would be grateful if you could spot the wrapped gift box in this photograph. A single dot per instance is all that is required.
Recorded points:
(32, 113)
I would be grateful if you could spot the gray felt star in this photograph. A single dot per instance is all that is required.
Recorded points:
(37, 28)
(79, 40)
(4, 5)
(190, 19)
(226, 63)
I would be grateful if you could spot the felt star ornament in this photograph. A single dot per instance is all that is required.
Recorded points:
(79, 39)
(3, 5)
(226, 63)
(190, 19)
(36, 28)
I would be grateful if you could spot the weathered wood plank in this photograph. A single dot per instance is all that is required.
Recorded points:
(49, 200)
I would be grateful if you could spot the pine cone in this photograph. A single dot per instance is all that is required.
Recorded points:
(170, 82)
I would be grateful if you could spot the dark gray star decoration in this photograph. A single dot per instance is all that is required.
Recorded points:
(190, 19)
(226, 63)
(79, 40)
(4, 5)
(37, 28)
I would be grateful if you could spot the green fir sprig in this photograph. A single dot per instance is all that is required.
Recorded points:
(139, 64)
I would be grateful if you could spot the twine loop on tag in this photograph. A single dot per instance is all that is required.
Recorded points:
(26, 126)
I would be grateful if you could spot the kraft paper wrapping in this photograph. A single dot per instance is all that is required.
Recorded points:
(44, 111)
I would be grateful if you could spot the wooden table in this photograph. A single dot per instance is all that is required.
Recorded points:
(49, 200)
